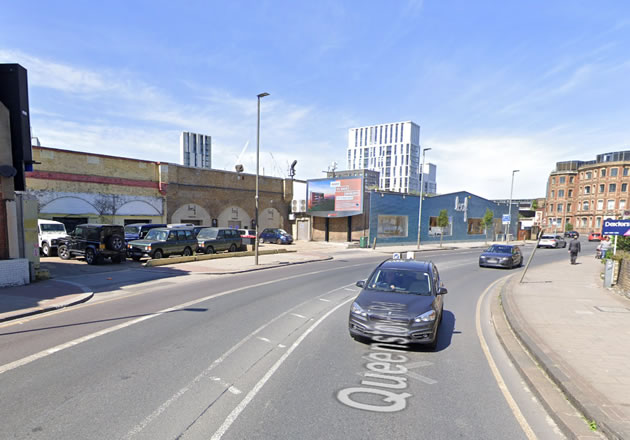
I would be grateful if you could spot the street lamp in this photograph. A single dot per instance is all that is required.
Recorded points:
(424, 150)
(507, 226)
(262, 95)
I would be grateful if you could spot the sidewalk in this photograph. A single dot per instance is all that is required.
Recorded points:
(579, 333)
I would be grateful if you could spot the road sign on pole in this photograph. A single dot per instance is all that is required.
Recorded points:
(616, 227)
(505, 219)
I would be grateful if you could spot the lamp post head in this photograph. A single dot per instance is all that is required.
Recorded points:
(426, 149)
(515, 171)
(262, 95)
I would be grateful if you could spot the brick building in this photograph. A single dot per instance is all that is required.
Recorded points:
(584, 193)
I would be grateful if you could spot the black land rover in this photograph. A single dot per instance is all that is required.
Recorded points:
(95, 242)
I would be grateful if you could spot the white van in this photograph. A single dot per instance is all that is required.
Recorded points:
(49, 232)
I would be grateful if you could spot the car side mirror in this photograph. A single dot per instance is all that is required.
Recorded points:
(361, 283)
(442, 291)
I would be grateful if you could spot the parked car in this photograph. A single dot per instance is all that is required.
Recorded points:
(275, 235)
(572, 234)
(211, 240)
(402, 299)
(196, 229)
(501, 255)
(48, 234)
(247, 235)
(595, 236)
(95, 242)
(136, 231)
(162, 242)
(552, 241)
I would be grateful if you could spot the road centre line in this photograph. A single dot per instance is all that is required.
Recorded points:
(493, 366)
(231, 418)
(140, 426)
(143, 292)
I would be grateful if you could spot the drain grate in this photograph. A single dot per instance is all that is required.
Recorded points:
(613, 309)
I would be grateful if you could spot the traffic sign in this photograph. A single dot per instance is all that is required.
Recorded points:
(616, 227)
(505, 219)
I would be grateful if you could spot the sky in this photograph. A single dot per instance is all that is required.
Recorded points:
(495, 86)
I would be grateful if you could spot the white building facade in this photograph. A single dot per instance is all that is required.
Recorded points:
(195, 150)
(391, 149)
(429, 179)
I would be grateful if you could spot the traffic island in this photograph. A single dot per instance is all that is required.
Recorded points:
(204, 257)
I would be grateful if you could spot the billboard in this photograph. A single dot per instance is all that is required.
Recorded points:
(340, 197)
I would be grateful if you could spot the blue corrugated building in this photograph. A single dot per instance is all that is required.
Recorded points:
(393, 218)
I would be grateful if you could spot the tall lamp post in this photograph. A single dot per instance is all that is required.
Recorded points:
(262, 95)
(424, 150)
(507, 226)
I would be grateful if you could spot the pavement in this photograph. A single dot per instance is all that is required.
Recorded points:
(568, 336)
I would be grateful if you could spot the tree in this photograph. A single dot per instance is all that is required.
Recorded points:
(487, 221)
(568, 227)
(535, 204)
(442, 222)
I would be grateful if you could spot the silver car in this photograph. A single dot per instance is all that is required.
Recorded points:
(552, 241)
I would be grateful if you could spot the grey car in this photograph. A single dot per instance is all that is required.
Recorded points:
(162, 242)
(402, 300)
(211, 240)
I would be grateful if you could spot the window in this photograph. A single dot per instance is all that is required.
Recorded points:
(585, 205)
(587, 190)
(602, 187)
(622, 205)
(603, 172)
(589, 175)
(475, 226)
(560, 193)
(356, 137)
(568, 207)
(551, 207)
(553, 193)
(571, 179)
(392, 226)
(612, 187)
(613, 172)
(598, 222)
(611, 205)
(600, 205)
(570, 193)
(563, 179)
(560, 206)
(624, 187)
(625, 172)
(434, 229)
(553, 180)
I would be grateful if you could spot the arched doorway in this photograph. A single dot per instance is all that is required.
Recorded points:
(234, 217)
(191, 213)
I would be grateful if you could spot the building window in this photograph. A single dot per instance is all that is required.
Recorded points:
(571, 179)
(553, 193)
(587, 190)
(625, 172)
(560, 193)
(475, 226)
(356, 137)
(613, 172)
(611, 205)
(563, 179)
(560, 207)
(612, 187)
(551, 207)
(570, 193)
(603, 173)
(600, 205)
(602, 187)
(589, 175)
(553, 180)
(568, 207)
(624, 187)
(598, 222)
(622, 205)
(585, 205)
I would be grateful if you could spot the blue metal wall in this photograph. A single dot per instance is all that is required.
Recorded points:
(406, 205)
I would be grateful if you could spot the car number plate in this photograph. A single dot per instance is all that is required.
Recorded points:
(492, 260)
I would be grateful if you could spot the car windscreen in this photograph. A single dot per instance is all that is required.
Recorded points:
(500, 249)
(205, 234)
(156, 235)
(51, 227)
(547, 237)
(282, 231)
(132, 230)
(400, 281)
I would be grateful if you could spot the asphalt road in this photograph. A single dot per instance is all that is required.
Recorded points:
(261, 355)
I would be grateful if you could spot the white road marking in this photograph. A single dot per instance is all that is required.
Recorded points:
(495, 371)
(250, 396)
(281, 345)
(139, 427)
(298, 315)
(325, 300)
(264, 339)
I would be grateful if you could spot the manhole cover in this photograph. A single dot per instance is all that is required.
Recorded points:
(613, 309)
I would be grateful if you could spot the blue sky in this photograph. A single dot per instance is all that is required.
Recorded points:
(495, 86)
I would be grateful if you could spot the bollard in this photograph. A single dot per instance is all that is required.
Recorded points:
(608, 273)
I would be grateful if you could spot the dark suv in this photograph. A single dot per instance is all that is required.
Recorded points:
(162, 242)
(211, 240)
(571, 234)
(137, 231)
(95, 242)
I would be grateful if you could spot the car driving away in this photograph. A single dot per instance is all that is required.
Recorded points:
(501, 255)
(276, 235)
(402, 299)
(552, 241)
(595, 236)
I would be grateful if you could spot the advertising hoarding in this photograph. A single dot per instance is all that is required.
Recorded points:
(340, 197)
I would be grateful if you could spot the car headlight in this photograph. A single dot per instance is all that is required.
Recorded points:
(505, 259)
(358, 310)
(483, 257)
(426, 316)
(148, 248)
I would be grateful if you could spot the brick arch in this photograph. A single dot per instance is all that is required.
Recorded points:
(191, 211)
(234, 216)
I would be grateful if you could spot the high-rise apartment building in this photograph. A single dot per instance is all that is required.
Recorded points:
(429, 181)
(584, 193)
(391, 149)
(195, 150)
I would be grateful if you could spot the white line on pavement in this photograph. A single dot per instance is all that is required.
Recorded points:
(231, 418)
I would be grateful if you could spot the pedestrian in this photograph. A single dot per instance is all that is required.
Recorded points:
(574, 249)
(605, 245)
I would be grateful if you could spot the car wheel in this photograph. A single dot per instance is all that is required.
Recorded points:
(209, 250)
(63, 252)
(261, 241)
(45, 249)
(157, 254)
(278, 241)
(187, 252)
(232, 248)
(115, 243)
(90, 257)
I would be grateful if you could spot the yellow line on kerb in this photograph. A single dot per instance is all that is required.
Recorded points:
(495, 371)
